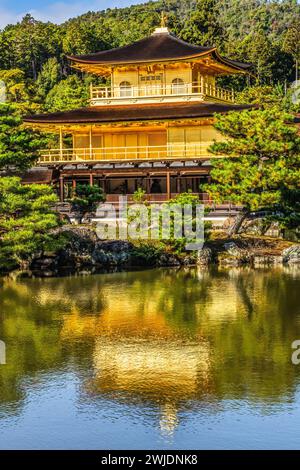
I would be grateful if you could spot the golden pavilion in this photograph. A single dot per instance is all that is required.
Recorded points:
(150, 127)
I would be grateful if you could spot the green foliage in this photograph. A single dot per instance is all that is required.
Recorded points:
(82, 37)
(26, 221)
(19, 90)
(139, 195)
(261, 166)
(48, 77)
(184, 199)
(67, 94)
(147, 252)
(202, 25)
(18, 145)
(86, 198)
(259, 31)
(291, 42)
(16, 86)
(28, 44)
(266, 96)
(163, 230)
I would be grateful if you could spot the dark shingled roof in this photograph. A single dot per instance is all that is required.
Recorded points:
(158, 47)
(134, 112)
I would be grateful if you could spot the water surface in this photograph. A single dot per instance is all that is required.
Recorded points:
(170, 359)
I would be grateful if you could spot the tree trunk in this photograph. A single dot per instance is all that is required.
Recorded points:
(235, 227)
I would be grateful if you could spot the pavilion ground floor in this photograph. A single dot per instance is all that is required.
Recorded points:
(161, 181)
(157, 186)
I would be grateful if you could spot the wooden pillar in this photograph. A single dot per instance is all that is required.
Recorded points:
(73, 186)
(107, 186)
(178, 185)
(112, 83)
(91, 91)
(168, 186)
(190, 87)
(193, 185)
(91, 179)
(91, 142)
(61, 189)
(61, 143)
(148, 185)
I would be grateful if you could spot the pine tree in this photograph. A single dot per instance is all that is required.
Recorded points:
(18, 145)
(292, 42)
(260, 164)
(26, 221)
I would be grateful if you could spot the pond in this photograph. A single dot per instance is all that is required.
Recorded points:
(154, 359)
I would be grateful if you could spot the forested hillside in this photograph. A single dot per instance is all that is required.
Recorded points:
(33, 54)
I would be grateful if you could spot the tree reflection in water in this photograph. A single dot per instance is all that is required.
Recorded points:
(174, 339)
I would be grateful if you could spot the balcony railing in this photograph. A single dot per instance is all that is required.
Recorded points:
(171, 92)
(170, 151)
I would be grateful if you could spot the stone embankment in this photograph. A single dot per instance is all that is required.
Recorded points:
(85, 253)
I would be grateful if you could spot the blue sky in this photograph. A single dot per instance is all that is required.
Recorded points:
(57, 11)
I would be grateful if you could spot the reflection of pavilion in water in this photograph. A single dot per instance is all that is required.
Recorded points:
(170, 341)
(142, 353)
(164, 338)
(142, 356)
(163, 372)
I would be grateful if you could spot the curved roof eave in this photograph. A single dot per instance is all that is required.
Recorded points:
(129, 113)
(242, 67)
(233, 63)
(129, 62)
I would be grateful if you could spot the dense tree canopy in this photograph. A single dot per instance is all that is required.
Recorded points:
(263, 32)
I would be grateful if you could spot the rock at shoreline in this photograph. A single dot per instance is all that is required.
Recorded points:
(267, 260)
(168, 259)
(205, 257)
(234, 255)
(291, 255)
(84, 252)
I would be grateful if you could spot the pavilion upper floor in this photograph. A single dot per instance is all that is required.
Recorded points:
(153, 142)
(149, 132)
(159, 68)
(169, 85)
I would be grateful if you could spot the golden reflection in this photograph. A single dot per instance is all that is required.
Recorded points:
(166, 372)
(168, 339)
(168, 418)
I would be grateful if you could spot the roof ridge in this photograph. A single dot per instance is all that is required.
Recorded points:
(181, 41)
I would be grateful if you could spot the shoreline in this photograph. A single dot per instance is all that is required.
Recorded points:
(85, 254)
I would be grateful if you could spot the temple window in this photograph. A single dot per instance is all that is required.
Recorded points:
(178, 86)
(125, 89)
